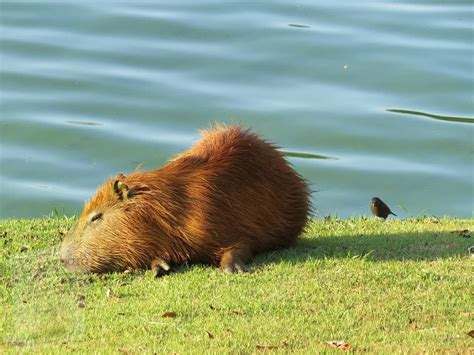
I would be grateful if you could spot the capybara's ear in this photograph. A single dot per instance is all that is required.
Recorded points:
(121, 189)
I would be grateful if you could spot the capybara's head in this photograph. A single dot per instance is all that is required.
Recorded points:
(110, 234)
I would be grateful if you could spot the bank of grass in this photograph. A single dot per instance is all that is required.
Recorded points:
(402, 285)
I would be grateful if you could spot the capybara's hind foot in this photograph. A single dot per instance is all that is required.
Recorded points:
(234, 260)
(231, 268)
(159, 267)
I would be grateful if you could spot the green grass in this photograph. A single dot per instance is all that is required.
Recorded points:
(402, 285)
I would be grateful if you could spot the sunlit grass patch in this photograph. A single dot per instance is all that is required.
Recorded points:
(400, 285)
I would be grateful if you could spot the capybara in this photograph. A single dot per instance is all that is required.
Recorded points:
(230, 196)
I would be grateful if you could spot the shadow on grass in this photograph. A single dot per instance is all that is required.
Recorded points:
(376, 247)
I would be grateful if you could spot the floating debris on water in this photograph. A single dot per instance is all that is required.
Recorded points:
(298, 26)
(84, 123)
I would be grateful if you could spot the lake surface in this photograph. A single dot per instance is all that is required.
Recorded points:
(367, 98)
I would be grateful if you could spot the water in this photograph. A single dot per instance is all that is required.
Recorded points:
(367, 98)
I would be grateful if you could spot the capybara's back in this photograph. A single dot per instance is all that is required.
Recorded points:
(227, 198)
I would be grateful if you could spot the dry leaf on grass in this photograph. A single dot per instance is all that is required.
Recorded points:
(339, 344)
(412, 323)
(465, 233)
(210, 335)
(265, 347)
(169, 315)
(471, 333)
(461, 231)
(110, 294)
(14, 343)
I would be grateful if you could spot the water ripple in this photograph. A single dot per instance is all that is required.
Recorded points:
(89, 89)
(306, 155)
(430, 115)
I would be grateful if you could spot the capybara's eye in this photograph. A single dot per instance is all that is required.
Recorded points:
(96, 217)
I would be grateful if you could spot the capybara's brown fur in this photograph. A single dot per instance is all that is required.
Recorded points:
(227, 198)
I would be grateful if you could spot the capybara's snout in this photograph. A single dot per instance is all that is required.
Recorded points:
(67, 259)
(65, 255)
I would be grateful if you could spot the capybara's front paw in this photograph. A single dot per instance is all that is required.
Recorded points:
(159, 267)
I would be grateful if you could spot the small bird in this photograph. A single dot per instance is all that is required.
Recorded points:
(379, 208)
